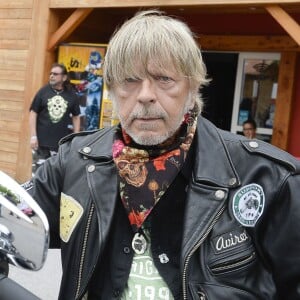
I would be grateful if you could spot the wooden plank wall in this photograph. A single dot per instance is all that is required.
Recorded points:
(15, 25)
(23, 40)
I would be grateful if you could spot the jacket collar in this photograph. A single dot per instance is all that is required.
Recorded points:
(99, 146)
(212, 160)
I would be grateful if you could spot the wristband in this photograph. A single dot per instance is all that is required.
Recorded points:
(34, 137)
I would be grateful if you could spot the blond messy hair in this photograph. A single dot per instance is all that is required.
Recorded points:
(152, 36)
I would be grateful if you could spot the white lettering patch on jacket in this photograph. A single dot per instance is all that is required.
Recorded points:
(70, 214)
(231, 240)
(248, 204)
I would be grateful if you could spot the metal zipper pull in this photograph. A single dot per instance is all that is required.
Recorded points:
(201, 296)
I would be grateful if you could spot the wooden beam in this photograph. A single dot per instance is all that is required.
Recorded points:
(286, 84)
(157, 3)
(247, 43)
(285, 21)
(51, 56)
(68, 27)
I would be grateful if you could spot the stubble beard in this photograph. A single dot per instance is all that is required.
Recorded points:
(148, 139)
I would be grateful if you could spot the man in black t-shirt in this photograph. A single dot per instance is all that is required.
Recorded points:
(51, 111)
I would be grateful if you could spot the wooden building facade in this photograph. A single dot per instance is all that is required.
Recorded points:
(32, 30)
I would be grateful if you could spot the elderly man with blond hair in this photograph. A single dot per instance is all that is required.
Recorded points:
(165, 205)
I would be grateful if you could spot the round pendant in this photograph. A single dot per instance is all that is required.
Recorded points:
(139, 243)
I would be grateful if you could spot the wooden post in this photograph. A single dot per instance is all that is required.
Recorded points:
(33, 81)
(284, 99)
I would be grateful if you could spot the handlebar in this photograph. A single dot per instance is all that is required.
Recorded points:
(11, 290)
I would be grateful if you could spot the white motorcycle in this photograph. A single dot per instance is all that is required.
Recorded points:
(24, 237)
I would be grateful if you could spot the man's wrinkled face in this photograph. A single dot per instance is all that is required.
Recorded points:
(151, 109)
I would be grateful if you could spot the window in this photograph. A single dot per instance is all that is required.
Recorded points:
(256, 92)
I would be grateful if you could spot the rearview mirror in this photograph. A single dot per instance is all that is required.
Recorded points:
(24, 228)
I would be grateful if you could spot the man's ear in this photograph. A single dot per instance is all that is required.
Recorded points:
(65, 77)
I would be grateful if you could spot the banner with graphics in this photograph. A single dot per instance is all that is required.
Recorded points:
(84, 65)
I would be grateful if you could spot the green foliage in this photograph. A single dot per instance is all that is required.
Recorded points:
(9, 195)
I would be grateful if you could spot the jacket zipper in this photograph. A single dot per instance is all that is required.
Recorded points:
(197, 245)
(82, 257)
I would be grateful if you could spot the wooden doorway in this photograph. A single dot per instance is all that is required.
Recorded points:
(218, 96)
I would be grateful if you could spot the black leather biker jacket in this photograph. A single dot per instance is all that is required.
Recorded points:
(241, 233)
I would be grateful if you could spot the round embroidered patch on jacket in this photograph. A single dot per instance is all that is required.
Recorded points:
(248, 204)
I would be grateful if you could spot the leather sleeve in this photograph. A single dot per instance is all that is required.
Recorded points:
(281, 239)
(46, 190)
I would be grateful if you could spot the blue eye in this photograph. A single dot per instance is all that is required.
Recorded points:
(164, 79)
(131, 80)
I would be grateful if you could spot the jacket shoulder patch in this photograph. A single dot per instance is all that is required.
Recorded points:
(248, 204)
(70, 214)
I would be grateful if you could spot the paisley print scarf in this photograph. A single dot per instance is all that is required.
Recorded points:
(146, 173)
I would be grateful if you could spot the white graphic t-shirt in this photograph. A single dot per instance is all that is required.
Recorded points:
(145, 282)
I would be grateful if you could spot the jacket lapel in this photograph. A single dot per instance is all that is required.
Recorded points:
(213, 176)
(102, 177)
(212, 162)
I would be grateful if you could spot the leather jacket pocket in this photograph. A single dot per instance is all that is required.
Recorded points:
(232, 264)
(207, 291)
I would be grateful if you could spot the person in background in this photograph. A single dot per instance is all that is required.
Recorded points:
(165, 205)
(249, 129)
(51, 111)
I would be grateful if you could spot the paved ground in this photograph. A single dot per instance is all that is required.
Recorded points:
(43, 283)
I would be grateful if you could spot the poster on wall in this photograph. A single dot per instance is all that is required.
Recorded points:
(84, 65)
